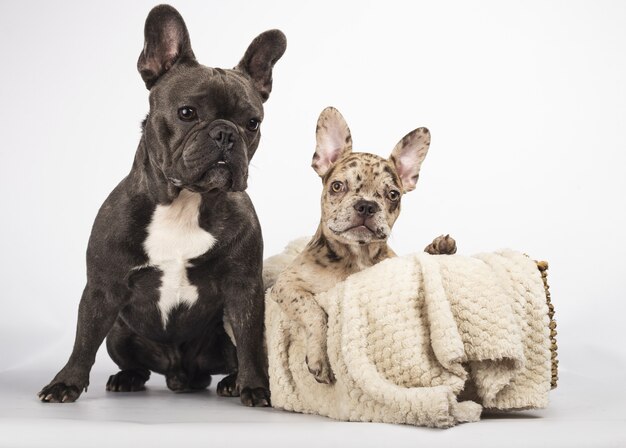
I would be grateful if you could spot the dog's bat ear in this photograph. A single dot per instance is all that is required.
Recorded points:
(334, 140)
(264, 51)
(166, 42)
(408, 156)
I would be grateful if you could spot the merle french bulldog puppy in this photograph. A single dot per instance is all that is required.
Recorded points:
(361, 198)
(175, 255)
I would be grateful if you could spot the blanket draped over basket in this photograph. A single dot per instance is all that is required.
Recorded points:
(421, 339)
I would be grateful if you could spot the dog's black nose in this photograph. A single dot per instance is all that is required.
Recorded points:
(224, 136)
(366, 208)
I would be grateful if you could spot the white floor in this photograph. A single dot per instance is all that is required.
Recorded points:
(587, 410)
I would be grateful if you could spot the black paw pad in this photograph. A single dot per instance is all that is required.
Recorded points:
(257, 397)
(127, 381)
(177, 382)
(59, 393)
(228, 386)
(200, 382)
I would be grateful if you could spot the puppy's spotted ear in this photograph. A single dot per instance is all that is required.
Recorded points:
(408, 156)
(334, 141)
(264, 51)
(166, 42)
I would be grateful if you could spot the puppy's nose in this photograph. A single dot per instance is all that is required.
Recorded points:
(366, 208)
(224, 137)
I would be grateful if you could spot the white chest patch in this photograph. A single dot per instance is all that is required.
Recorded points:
(174, 238)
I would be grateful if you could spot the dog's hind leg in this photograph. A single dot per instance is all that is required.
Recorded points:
(135, 356)
(130, 380)
(227, 387)
(212, 354)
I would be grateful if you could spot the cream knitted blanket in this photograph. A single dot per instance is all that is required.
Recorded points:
(421, 339)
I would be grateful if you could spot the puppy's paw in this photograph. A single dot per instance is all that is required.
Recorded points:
(228, 386)
(319, 366)
(128, 381)
(442, 245)
(257, 397)
(59, 393)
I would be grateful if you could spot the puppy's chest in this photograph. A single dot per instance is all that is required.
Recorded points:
(320, 278)
(321, 274)
(174, 238)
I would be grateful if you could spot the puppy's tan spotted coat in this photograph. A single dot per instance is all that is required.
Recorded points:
(360, 203)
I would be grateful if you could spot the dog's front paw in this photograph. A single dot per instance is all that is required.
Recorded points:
(319, 366)
(228, 386)
(442, 245)
(257, 397)
(57, 392)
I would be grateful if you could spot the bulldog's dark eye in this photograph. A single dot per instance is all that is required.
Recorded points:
(336, 186)
(253, 124)
(393, 195)
(187, 113)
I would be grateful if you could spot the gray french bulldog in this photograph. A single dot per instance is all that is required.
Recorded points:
(175, 255)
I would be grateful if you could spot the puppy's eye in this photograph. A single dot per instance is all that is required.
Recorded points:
(187, 113)
(336, 186)
(393, 195)
(253, 124)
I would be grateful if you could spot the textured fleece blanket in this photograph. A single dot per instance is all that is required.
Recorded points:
(421, 339)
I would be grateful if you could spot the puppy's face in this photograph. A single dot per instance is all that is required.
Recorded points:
(362, 192)
(361, 198)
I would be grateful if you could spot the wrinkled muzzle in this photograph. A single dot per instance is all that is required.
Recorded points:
(214, 156)
(360, 220)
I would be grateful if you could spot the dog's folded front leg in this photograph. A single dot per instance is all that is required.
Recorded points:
(97, 311)
(442, 245)
(300, 305)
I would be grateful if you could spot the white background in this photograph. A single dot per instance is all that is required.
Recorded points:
(526, 103)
